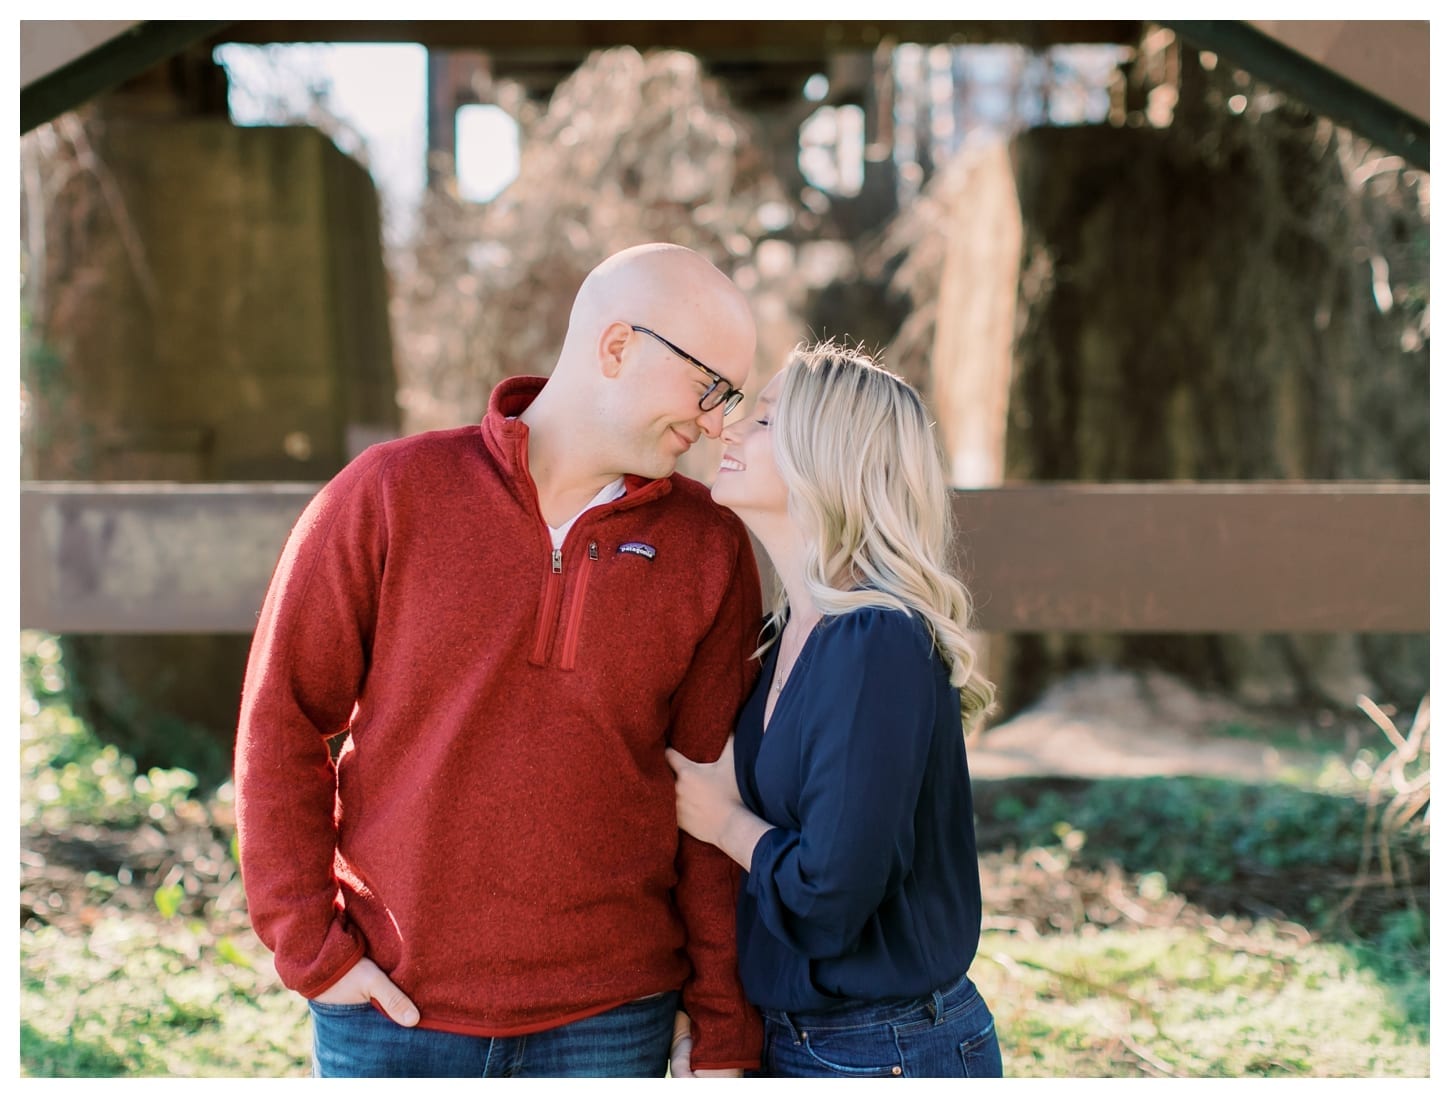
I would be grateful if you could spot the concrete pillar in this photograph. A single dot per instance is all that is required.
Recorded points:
(207, 303)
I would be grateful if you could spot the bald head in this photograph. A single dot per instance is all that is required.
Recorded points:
(671, 290)
(621, 400)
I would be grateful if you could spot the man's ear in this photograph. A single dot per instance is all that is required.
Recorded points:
(612, 341)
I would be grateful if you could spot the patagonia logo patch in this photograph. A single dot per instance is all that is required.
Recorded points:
(639, 549)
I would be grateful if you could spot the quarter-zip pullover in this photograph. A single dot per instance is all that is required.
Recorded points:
(498, 830)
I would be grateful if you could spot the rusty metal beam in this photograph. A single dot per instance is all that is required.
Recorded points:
(1159, 558)
(1199, 558)
(151, 557)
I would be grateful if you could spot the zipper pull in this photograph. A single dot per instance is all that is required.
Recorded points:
(593, 550)
(558, 560)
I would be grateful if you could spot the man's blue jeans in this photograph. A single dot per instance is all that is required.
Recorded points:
(359, 1041)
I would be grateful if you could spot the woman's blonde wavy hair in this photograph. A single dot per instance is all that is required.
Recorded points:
(864, 472)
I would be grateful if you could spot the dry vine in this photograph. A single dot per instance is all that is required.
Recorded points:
(1397, 808)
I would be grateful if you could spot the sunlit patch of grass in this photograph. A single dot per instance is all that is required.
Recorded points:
(132, 1000)
(1176, 1002)
(138, 993)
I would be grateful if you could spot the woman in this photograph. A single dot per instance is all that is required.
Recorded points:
(844, 791)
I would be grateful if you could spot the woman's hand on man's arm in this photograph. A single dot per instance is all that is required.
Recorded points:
(708, 805)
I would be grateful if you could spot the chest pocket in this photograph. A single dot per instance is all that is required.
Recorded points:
(618, 611)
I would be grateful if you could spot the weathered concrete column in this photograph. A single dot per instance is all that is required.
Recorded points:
(209, 303)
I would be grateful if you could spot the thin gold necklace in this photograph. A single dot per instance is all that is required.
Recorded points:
(782, 667)
(777, 683)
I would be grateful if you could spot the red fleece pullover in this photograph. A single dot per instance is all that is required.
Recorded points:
(498, 832)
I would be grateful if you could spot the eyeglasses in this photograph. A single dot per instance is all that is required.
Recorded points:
(719, 392)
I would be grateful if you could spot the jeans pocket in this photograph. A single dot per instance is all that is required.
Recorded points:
(982, 1054)
(865, 1052)
(338, 1009)
(347, 1039)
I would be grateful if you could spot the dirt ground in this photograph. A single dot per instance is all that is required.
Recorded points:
(1135, 724)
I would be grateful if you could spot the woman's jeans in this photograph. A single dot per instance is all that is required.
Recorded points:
(358, 1040)
(947, 1034)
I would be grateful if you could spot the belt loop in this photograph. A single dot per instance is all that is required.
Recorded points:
(795, 1030)
(937, 1009)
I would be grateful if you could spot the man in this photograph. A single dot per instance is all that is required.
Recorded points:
(510, 623)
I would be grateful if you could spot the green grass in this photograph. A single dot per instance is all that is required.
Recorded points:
(1178, 1003)
(147, 992)
(130, 999)
(177, 989)
(1214, 840)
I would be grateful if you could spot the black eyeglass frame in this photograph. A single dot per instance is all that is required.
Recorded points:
(732, 396)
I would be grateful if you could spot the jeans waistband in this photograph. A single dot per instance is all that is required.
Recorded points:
(853, 1013)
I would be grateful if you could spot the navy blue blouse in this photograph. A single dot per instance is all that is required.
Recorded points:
(867, 886)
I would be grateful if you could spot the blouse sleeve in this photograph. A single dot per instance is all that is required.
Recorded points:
(864, 746)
